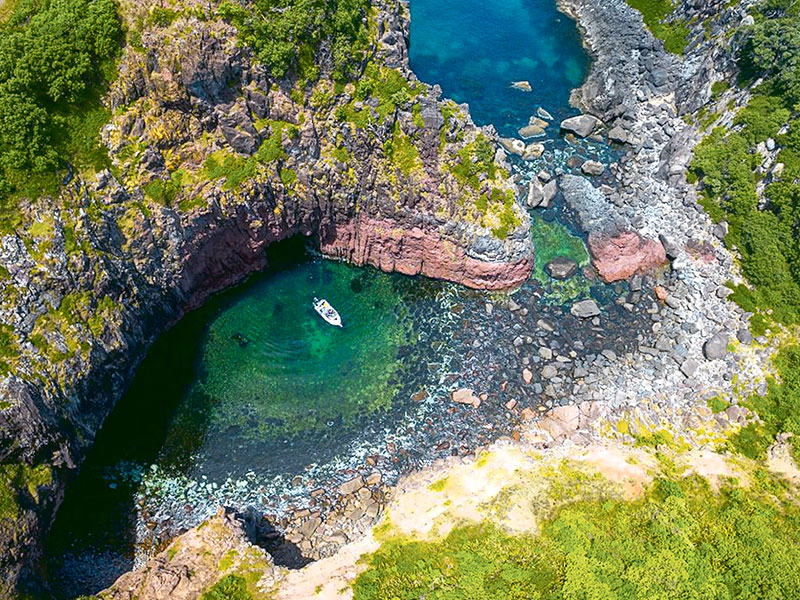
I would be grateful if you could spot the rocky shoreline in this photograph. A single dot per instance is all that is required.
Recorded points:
(638, 92)
(696, 341)
(107, 266)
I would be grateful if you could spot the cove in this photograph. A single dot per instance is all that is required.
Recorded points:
(253, 401)
(474, 49)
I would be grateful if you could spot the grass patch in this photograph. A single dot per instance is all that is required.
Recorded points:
(681, 540)
(231, 587)
(655, 14)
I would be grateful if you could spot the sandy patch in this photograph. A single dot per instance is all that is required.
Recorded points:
(780, 462)
(715, 468)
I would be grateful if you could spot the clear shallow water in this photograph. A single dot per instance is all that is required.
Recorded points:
(474, 49)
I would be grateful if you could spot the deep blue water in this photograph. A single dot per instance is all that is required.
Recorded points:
(474, 49)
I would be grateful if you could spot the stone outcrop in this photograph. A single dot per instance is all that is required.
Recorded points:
(196, 561)
(624, 255)
(617, 250)
(213, 161)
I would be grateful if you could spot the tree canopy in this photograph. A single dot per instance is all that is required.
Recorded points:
(52, 54)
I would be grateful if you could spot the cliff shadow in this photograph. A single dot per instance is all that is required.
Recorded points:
(93, 539)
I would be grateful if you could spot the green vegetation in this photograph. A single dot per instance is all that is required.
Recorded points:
(656, 14)
(231, 587)
(386, 85)
(681, 540)
(476, 160)
(8, 348)
(726, 165)
(286, 34)
(402, 152)
(778, 410)
(55, 58)
(15, 480)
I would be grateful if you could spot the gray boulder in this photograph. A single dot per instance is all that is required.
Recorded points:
(582, 125)
(561, 267)
(716, 347)
(585, 309)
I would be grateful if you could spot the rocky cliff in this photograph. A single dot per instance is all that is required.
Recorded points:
(212, 160)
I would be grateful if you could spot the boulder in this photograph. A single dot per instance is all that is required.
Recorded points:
(535, 194)
(716, 347)
(531, 131)
(513, 146)
(585, 309)
(561, 267)
(351, 486)
(543, 114)
(465, 396)
(592, 167)
(625, 254)
(533, 151)
(582, 125)
(527, 376)
(618, 135)
(689, 367)
(522, 86)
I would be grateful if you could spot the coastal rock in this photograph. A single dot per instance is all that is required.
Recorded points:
(716, 347)
(533, 151)
(582, 125)
(585, 309)
(522, 86)
(618, 134)
(513, 146)
(415, 250)
(623, 255)
(561, 267)
(592, 167)
(465, 396)
(531, 131)
(138, 265)
(195, 562)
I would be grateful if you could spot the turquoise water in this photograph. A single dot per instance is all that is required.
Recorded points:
(474, 49)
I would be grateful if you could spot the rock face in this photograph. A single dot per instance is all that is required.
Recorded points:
(196, 561)
(617, 250)
(214, 160)
(624, 255)
(412, 250)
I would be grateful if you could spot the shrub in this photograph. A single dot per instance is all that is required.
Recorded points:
(53, 56)
(286, 34)
(681, 540)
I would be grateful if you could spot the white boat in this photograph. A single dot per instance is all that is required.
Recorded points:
(327, 312)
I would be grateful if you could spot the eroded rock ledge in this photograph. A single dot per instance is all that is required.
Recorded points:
(213, 161)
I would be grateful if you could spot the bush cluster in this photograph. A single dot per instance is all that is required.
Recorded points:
(52, 59)
(726, 163)
(287, 34)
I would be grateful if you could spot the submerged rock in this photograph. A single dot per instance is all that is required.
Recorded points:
(522, 86)
(465, 396)
(561, 267)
